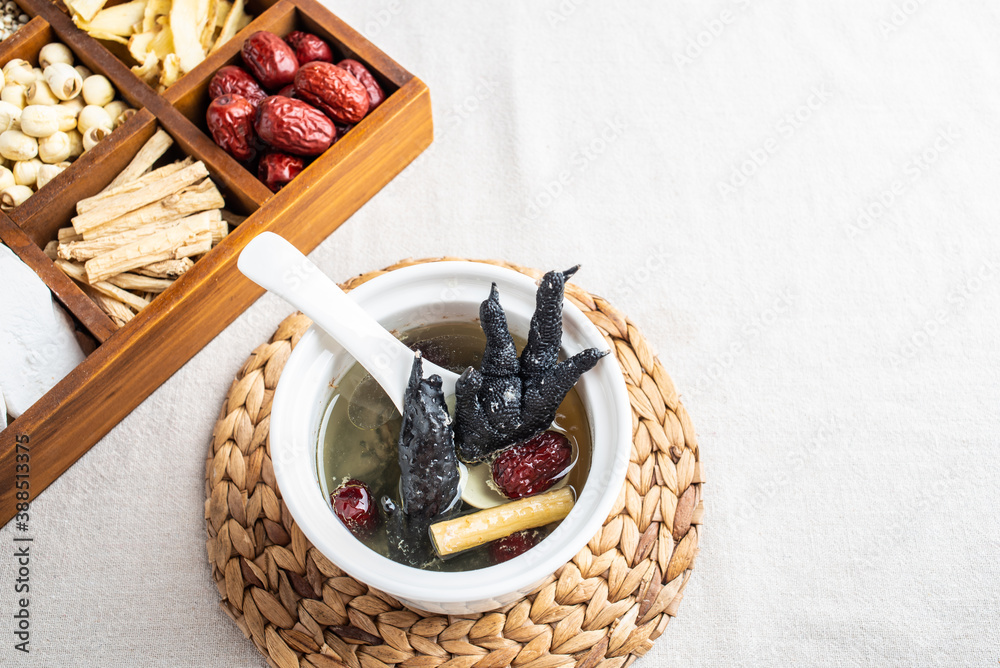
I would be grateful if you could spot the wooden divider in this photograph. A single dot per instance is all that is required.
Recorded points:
(31, 37)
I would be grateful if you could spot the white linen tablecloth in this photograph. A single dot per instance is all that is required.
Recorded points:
(796, 202)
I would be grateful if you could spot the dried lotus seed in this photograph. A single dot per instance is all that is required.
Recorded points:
(15, 145)
(64, 81)
(39, 120)
(75, 143)
(114, 109)
(26, 172)
(48, 172)
(75, 105)
(14, 94)
(10, 116)
(124, 116)
(17, 69)
(14, 196)
(67, 117)
(54, 148)
(92, 136)
(54, 52)
(40, 93)
(6, 178)
(21, 75)
(97, 90)
(93, 116)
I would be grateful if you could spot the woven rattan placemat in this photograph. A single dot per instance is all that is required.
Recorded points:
(602, 609)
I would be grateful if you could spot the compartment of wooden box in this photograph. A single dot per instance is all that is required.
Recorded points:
(96, 395)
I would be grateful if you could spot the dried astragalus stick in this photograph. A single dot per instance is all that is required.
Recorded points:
(85, 250)
(218, 227)
(67, 234)
(181, 240)
(78, 273)
(201, 196)
(121, 204)
(234, 219)
(468, 531)
(197, 246)
(166, 268)
(135, 185)
(140, 283)
(150, 152)
(116, 310)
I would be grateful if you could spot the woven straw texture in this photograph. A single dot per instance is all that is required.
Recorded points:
(603, 609)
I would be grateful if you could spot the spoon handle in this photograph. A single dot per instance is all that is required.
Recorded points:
(273, 263)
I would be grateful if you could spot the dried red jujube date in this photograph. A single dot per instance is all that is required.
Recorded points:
(230, 119)
(376, 95)
(277, 169)
(353, 504)
(514, 545)
(309, 48)
(233, 79)
(533, 466)
(333, 90)
(270, 59)
(288, 91)
(292, 126)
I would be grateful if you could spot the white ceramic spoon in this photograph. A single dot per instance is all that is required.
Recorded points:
(279, 267)
(273, 263)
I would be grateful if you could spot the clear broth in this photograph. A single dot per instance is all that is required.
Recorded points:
(371, 455)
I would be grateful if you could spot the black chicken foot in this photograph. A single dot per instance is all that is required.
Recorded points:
(510, 399)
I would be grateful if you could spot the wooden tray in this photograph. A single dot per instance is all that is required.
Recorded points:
(129, 363)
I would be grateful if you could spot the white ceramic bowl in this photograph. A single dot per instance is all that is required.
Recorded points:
(407, 298)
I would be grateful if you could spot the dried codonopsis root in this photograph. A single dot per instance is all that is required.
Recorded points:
(429, 473)
(479, 528)
(510, 400)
